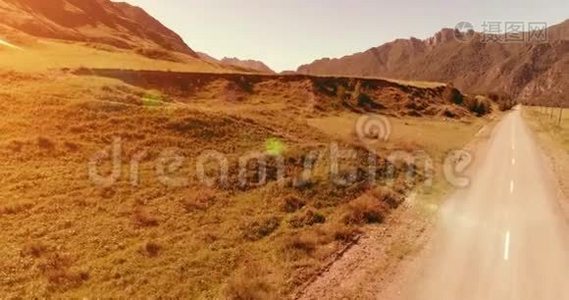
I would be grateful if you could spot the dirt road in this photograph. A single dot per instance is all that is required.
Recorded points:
(504, 236)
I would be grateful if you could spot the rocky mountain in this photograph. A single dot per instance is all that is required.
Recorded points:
(94, 21)
(239, 65)
(207, 57)
(531, 70)
(248, 64)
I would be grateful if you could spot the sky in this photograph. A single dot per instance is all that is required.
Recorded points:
(285, 34)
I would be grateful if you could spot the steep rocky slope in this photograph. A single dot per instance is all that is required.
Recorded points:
(531, 71)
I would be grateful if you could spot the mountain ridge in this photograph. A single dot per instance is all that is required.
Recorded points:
(117, 24)
(238, 64)
(525, 70)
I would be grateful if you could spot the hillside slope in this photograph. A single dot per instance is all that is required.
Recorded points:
(315, 95)
(69, 235)
(529, 71)
(248, 64)
(238, 64)
(36, 36)
(96, 21)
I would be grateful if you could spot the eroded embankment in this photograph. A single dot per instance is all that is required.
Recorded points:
(320, 94)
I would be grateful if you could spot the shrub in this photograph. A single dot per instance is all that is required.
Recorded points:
(478, 105)
(365, 210)
(453, 95)
(46, 143)
(309, 218)
(305, 242)
(249, 285)
(389, 197)
(291, 204)
(108, 192)
(72, 146)
(152, 249)
(343, 232)
(66, 278)
(260, 229)
(365, 100)
(313, 217)
(142, 218)
(16, 145)
(34, 249)
(57, 269)
(504, 101)
(15, 208)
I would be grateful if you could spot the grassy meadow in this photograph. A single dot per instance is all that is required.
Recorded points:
(144, 235)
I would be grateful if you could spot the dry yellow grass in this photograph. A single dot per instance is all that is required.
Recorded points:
(553, 136)
(67, 237)
(548, 123)
(42, 55)
(437, 136)
(433, 137)
(412, 83)
(421, 84)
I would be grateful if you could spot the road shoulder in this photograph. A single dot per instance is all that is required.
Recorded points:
(555, 155)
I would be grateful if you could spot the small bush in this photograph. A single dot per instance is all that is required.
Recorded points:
(291, 204)
(389, 197)
(505, 102)
(142, 218)
(15, 208)
(365, 210)
(344, 233)
(152, 249)
(46, 143)
(249, 285)
(305, 242)
(73, 147)
(57, 269)
(478, 105)
(260, 229)
(34, 249)
(309, 218)
(66, 278)
(108, 192)
(367, 102)
(453, 95)
(315, 218)
(16, 145)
